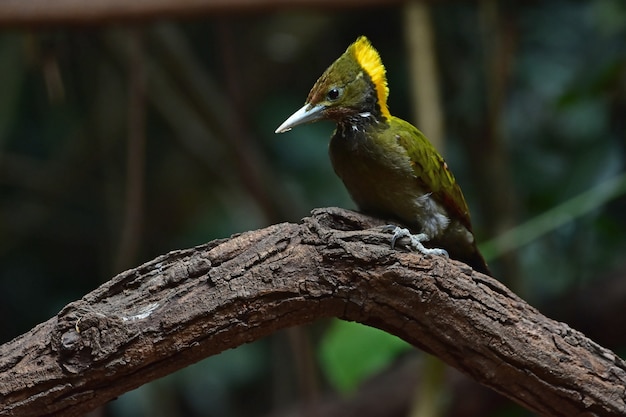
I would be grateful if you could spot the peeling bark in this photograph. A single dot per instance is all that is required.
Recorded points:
(189, 304)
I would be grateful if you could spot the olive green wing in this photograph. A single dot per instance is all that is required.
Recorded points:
(432, 171)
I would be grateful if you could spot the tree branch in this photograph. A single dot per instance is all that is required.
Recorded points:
(189, 304)
(62, 12)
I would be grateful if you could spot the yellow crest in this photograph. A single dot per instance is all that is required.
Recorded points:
(370, 61)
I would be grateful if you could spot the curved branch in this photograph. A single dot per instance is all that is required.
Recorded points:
(189, 304)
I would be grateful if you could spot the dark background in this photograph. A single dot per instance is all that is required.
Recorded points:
(122, 142)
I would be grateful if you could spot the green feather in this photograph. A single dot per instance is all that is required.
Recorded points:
(434, 174)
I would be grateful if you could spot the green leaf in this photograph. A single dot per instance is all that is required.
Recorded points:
(351, 352)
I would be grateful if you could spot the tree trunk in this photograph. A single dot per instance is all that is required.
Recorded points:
(189, 304)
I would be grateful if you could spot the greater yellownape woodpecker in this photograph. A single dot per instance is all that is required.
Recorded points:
(388, 166)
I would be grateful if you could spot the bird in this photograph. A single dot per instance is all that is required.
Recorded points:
(388, 166)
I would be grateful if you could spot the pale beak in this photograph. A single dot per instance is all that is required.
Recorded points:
(307, 114)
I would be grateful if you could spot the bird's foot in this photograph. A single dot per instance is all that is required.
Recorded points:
(415, 241)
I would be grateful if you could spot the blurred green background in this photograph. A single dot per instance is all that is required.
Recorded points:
(119, 143)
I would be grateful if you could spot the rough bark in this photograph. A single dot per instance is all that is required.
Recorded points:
(189, 304)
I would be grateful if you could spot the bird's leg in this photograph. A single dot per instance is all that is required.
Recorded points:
(415, 240)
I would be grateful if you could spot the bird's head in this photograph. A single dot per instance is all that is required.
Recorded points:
(354, 86)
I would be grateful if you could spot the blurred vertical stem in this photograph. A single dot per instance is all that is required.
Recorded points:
(424, 76)
(491, 160)
(424, 80)
(432, 390)
(135, 161)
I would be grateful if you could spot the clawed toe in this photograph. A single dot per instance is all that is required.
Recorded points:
(415, 240)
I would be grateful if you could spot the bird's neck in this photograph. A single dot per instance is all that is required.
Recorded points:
(360, 125)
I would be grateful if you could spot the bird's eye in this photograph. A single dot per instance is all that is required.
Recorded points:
(333, 94)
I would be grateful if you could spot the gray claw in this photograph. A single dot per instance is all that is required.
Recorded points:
(416, 241)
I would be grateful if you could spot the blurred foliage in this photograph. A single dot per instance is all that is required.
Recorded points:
(212, 387)
(350, 352)
(217, 87)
